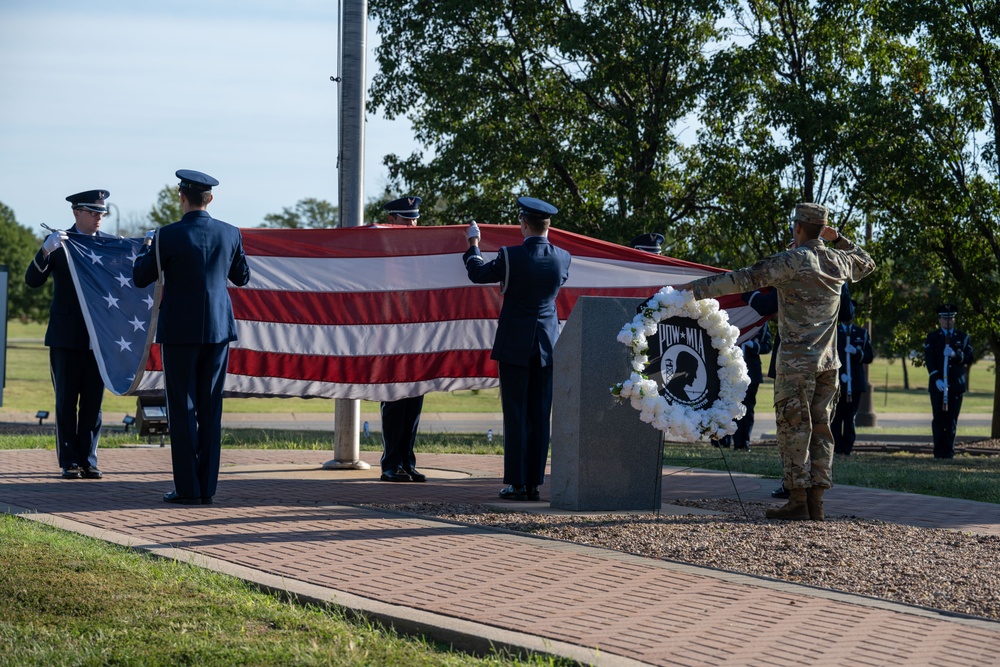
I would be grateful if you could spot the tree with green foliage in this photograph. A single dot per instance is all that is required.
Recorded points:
(308, 213)
(773, 126)
(18, 247)
(581, 104)
(167, 208)
(931, 119)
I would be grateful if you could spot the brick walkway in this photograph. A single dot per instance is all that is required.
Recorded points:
(280, 521)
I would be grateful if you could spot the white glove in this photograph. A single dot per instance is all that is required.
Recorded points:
(948, 352)
(473, 231)
(940, 385)
(844, 378)
(850, 349)
(53, 242)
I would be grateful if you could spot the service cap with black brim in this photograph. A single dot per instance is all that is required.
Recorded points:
(536, 208)
(90, 200)
(651, 242)
(195, 180)
(405, 207)
(947, 310)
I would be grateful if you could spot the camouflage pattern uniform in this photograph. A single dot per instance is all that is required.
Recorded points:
(808, 279)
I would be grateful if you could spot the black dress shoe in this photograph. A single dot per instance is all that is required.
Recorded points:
(90, 472)
(206, 501)
(743, 448)
(72, 472)
(416, 476)
(532, 493)
(394, 476)
(512, 492)
(172, 497)
(780, 492)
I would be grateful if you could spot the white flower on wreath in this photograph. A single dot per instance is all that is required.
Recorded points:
(682, 423)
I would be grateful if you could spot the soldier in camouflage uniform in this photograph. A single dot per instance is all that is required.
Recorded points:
(808, 278)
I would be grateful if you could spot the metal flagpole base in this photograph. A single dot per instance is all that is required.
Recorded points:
(334, 464)
(346, 438)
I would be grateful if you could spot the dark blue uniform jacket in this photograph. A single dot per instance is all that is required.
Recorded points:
(197, 254)
(530, 276)
(67, 328)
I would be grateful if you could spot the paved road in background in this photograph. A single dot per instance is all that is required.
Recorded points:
(481, 422)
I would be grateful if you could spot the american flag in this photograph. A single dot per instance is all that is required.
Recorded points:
(383, 313)
(120, 316)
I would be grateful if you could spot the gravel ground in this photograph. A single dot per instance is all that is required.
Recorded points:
(941, 569)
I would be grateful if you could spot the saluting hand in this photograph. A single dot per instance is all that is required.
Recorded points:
(472, 233)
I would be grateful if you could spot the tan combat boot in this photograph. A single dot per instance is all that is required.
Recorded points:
(794, 510)
(814, 501)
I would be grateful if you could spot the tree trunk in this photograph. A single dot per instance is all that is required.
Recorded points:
(906, 374)
(995, 349)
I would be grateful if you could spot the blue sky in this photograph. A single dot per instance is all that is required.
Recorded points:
(119, 94)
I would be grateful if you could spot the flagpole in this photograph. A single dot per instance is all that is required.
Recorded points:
(346, 435)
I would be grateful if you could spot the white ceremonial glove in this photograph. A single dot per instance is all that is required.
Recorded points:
(844, 378)
(948, 352)
(54, 241)
(473, 231)
(940, 385)
(850, 349)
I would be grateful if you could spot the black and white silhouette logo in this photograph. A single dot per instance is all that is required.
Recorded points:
(683, 363)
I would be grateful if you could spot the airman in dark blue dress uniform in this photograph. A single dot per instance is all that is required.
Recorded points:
(195, 256)
(948, 355)
(530, 276)
(752, 349)
(79, 389)
(401, 419)
(855, 349)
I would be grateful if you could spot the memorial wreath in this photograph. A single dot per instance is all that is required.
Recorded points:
(678, 416)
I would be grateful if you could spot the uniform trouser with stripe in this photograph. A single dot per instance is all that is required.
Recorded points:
(79, 391)
(400, 421)
(944, 423)
(843, 424)
(526, 397)
(194, 376)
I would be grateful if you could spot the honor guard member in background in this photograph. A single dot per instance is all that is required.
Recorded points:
(752, 349)
(400, 419)
(948, 355)
(808, 279)
(855, 350)
(75, 376)
(530, 276)
(195, 256)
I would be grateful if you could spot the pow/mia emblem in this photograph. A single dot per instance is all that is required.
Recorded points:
(683, 363)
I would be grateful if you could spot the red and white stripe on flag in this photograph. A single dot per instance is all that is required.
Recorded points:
(385, 312)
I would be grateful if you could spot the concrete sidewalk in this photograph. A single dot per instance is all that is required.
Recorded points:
(281, 521)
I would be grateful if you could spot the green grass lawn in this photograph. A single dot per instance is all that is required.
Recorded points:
(29, 387)
(66, 599)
